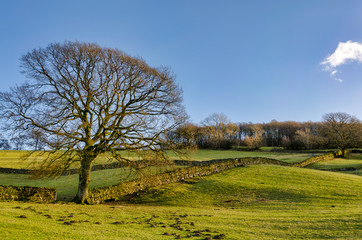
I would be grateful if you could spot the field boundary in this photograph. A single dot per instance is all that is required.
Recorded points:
(196, 169)
(115, 192)
(136, 164)
(26, 193)
(315, 159)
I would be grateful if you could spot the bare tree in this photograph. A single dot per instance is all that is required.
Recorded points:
(34, 139)
(19, 141)
(4, 143)
(217, 120)
(86, 100)
(186, 135)
(214, 127)
(256, 139)
(343, 129)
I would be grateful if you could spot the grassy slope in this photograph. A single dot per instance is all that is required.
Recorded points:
(256, 202)
(262, 183)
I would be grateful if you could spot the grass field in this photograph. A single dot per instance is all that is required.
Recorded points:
(255, 202)
(352, 161)
(66, 186)
(202, 155)
(14, 159)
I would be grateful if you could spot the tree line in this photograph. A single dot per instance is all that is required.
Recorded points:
(336, 130)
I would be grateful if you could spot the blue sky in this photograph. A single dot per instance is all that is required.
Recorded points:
(251, 60)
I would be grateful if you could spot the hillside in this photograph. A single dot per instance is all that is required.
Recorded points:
(268, 184)
(255, 202)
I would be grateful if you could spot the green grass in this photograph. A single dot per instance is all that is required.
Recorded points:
(14, 159)
(66, 186)
(203, 155)
(338, 163)
(353, 160)
(355, 172)
(261, 183)
(255, 202)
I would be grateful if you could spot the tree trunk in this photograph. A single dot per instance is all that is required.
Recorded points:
(343, 153)
(84, 180)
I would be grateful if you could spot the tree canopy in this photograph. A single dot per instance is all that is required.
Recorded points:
(343, 129)
(83, 99)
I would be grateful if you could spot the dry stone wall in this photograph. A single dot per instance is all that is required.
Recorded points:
(328, 156)
(25, 193)
(100, 195)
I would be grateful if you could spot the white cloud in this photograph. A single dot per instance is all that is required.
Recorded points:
(346, 52)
